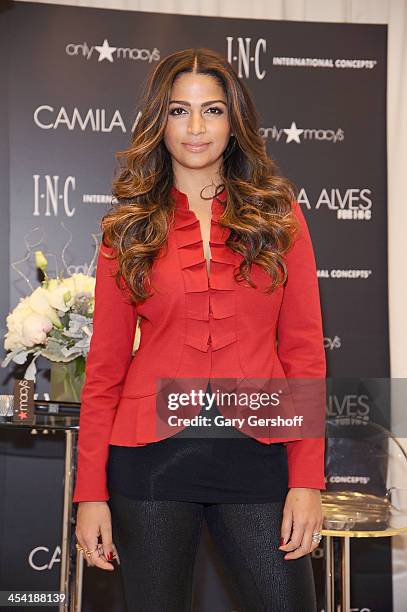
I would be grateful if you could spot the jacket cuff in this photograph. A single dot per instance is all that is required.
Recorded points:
(91, 478)
(306, 463)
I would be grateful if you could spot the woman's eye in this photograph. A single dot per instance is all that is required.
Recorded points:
(174, 111)
(219, 111)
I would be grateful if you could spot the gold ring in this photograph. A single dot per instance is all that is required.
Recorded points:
(89, 552)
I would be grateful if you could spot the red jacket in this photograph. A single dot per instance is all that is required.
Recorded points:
(196, 325)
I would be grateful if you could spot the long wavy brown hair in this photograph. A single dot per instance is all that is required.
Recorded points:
(258, 209)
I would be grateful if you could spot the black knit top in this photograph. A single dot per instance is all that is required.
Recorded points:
(233, 468)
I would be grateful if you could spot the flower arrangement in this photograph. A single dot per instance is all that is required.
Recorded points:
(55, 321)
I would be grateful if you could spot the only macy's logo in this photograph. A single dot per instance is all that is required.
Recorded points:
(332, 343)
(109, 53)
(299, 135)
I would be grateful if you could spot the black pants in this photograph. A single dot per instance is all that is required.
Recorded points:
(157, 542)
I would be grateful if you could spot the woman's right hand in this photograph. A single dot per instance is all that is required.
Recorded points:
(93, 519)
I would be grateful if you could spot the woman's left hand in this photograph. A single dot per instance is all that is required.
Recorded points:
(302, 516)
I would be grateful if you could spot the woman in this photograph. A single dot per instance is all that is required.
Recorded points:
(218, 264)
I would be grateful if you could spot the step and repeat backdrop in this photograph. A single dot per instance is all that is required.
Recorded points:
(71, 79)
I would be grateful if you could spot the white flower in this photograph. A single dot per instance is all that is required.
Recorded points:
(35, 329)
(52, 284)
(59, 297)
(80, 283)
(40, 304)
(35, 316)
(25, 327)
(16, 317)
(13, 342)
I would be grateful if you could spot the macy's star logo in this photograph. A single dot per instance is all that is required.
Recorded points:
(293, 133)
(105, 51)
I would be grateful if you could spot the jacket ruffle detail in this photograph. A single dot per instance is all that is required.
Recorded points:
(210, 308)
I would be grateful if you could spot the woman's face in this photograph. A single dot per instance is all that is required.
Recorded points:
(197, 130)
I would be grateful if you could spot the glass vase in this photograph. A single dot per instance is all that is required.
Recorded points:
(67, 379)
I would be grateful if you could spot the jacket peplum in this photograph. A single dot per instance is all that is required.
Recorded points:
(196, 325)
